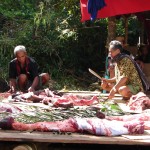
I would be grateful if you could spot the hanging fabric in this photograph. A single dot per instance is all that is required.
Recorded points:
(94, 6)
(113, 8)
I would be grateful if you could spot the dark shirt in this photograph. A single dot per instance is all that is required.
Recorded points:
(125, 52)
(30, 69)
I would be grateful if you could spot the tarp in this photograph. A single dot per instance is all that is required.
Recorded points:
(115, 7)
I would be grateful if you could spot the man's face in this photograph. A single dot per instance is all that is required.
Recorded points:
(113, 52)
(21, 57)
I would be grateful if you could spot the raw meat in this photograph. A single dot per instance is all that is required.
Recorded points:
(59, 126)
(46, 96)
(140, 117)
(7, 107)
(62, 102)
(93, 126)
(139, 102)
(5, 95)
(147, 125)
(109, 128)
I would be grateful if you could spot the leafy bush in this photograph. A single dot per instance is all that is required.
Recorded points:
(53, 34)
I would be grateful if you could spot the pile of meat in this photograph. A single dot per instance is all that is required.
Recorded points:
(49, 97)
(138, 102)
(109, 126)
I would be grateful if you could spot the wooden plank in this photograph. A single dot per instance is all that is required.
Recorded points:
(139, 137)
(73, 138)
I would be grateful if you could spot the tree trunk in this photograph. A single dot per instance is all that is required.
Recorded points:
(111, 29)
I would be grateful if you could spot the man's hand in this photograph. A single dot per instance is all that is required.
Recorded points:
(31, 89)
(104, 83)
(112, 93)
(12, 90)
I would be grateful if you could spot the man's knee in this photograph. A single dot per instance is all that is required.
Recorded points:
(45, 77)
(22, 78)
(124, 91)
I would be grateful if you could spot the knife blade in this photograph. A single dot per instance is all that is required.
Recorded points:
(94, 73)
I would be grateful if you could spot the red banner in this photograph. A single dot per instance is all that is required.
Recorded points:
(115, 7)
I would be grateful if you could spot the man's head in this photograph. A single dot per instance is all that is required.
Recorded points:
(19, 48)
(20, 53)
(115, 48)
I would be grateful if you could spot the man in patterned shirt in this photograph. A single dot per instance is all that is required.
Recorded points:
(127, 80)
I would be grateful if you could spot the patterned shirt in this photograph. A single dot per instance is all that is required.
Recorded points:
(125, 68)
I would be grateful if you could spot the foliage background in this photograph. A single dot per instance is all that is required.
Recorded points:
(53, 34)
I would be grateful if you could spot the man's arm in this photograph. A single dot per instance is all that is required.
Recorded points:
(34, 84)
(12, 77)
(112, 80)
(33, 69)
(12, 84)
(121, 82)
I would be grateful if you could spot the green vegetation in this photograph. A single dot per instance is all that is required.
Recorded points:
(53, 34)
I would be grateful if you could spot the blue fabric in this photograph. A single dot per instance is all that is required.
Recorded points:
(94, 6)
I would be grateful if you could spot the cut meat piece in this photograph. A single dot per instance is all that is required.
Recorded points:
(82, 101)
(108, 128)
(135, 127)
(83, 125)
(5, 95)
(7, 107)
(147, 125)
(71, 100)
(139, 102)
(63, 102)
(60, 126)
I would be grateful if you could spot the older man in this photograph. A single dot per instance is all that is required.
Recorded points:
(23, 72)
(128, 79)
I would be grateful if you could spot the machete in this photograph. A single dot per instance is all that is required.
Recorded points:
(94, 73)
